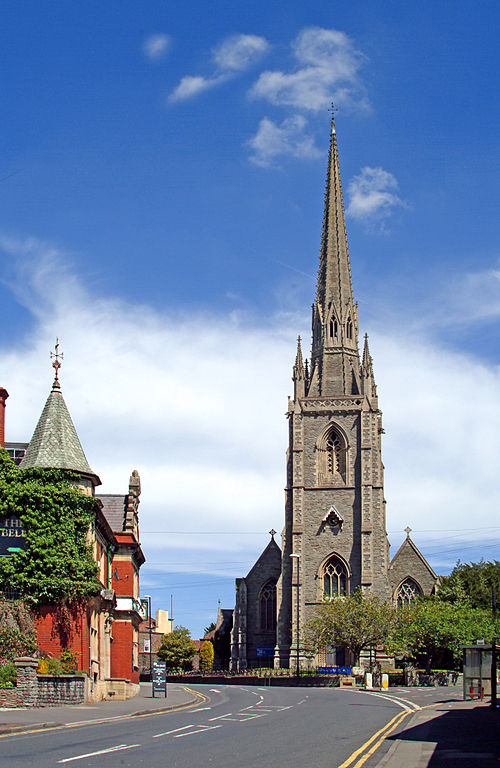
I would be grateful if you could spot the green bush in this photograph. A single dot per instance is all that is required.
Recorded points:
(54, 667)
(8, 675)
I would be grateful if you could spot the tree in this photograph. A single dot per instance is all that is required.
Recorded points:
(206, 656)
(177, 648)
(355, 622)
(210, 628)
(430, 627)
(472, 581)
(57, 563)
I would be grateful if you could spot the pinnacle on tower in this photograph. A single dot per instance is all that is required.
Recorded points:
(299, 372)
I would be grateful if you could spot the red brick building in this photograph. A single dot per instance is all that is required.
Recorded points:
(103, 632)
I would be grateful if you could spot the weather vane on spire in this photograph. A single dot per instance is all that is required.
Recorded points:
(57, 357)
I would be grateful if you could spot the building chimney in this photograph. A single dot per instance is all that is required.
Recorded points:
(3, 397)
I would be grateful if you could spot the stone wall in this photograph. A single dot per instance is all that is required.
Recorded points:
(9, 698)
(65, 689)
(34, 690)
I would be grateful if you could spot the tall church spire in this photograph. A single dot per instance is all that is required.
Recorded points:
(334, 356)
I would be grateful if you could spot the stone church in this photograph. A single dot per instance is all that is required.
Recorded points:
(334, 538)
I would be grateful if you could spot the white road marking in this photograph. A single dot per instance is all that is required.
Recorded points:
(219, 717)
(167, 733)
(201, 729)
(100, 752)
(201, 709)
(214, 690)
(403, 703)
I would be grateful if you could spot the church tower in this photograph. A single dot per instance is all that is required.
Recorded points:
(334, 539)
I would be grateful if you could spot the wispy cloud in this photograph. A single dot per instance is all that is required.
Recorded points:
(373, 194)
(234, 54)
(289, 138)
(156, 46)
(180, 417)
(327, 70)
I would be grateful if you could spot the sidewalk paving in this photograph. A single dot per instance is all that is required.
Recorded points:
(20, 719)
(450, 734)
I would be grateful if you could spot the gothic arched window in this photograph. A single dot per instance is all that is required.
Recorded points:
(407, 593)
(334, 328)
(267, 606)
(335, 579)
(348, 328)
(331, 457)
(335, 453)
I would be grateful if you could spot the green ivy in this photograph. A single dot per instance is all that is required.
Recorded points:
(57, 563)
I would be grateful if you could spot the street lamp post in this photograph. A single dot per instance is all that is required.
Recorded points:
(297, 558)
(148, 598)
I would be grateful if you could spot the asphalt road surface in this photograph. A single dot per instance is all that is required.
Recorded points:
(234, 727)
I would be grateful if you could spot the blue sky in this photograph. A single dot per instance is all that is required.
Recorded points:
(161, 187)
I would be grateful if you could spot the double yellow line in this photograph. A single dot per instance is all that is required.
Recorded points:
(376, 740)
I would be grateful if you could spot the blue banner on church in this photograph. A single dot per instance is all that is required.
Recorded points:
(334, 670)
(265, 651)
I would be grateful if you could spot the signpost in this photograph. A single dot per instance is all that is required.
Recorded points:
(159, 678)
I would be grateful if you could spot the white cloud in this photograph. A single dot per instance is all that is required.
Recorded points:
(234, 54)
(156, 46)
(185, 401)
(192, 85)
(272, 141)
(328, 67)
(372, 194)
(238, 52)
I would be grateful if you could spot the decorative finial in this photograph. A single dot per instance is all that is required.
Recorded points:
(57, 357)
(407, 531)
(272, 532)
(333, 109)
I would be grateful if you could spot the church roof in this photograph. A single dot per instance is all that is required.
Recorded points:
(55, 442)
(408, 544)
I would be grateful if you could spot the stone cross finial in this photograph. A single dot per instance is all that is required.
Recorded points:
(272, 532)
(57, 362)
(332, 110)
(407, 531)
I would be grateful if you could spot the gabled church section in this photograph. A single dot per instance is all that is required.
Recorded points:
(410, 575)
(254, 622)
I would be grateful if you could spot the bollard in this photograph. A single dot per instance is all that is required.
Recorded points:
(369, 680)
(385, 681)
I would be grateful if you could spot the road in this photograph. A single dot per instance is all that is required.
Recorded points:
(234, 726)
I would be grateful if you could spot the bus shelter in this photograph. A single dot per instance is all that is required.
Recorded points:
(477, 670)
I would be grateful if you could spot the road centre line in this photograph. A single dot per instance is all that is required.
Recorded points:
(119, 748)
(167, 733)
(201, 729)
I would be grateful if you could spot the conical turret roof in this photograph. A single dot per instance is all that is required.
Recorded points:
(55, 442)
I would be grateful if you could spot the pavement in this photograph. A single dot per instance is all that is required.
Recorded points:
(24, 719)
(446, 735)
